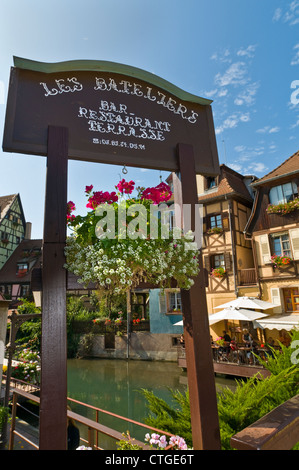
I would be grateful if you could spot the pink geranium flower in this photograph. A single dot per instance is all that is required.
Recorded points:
(126, 187)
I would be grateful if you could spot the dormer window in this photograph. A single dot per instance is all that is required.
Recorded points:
(211, 182)
(283, 193)
(22, 268)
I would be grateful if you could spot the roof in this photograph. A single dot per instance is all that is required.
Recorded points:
(230, 183)
(288, 167)
(5, 203)
(28, 251)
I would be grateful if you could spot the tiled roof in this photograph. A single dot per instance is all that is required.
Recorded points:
(230, 183)
(289, 166)
(5, 202)
(23, 253)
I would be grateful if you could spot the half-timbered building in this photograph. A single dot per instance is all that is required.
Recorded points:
(273, 228)
(12, 225)
(227, 255)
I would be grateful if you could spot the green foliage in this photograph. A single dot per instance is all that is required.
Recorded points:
(3, 415)
(167, 418)
(251, 400)
(29, 332)
(127, 443)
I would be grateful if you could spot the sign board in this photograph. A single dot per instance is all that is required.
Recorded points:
(114, 114)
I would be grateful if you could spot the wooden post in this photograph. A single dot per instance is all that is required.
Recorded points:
(53, 398)
(201, 379)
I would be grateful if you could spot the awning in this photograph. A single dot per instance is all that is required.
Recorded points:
(278, 322)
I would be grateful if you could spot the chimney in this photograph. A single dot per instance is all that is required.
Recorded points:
(28, 231)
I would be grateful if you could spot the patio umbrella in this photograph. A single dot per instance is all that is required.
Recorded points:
(248, 302)
(232, 313)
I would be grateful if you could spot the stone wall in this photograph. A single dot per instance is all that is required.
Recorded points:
(143, 345)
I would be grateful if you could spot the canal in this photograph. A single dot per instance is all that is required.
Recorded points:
(116, 386)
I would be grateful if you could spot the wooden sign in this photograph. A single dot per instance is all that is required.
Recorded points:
(114, 114)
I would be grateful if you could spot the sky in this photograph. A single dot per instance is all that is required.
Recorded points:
(243, 55)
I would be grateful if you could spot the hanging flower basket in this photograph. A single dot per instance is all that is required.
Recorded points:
(218, 272)
(283, 208)
(115, 248)
(280, 261)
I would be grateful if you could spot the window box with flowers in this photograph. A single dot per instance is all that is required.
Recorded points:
(280, 261)
(284, 207)
(107, 249)
(213, 230)
(218, 272)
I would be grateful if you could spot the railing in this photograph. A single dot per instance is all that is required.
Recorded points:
(247, 277)
(278, 430)
(94, 427)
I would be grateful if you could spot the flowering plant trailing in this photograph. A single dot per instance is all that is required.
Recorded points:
(278, 260)
(284, 207)
(115, 249)
(218, 272)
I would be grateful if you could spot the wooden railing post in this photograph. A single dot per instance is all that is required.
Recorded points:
(13, 421)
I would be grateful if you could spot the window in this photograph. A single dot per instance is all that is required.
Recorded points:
(22, 268)
(170, 302)
(291, 299)
(215, 221)
(25, 290)
(175, 302)
(283, 193)
(218, 261)
(4, 236)
(281, 245)
(211, 182)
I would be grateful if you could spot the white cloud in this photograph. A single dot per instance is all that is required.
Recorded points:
(290, 15)
(268, 130)
(232, 121)
(223, 56)
(277, 14)
(248, 51)
(295, 59)
(235, 166)
(274, 130)
(247, 96)
(234, 75)
(240, 148)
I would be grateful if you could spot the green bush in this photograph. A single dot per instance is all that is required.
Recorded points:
(251, 400)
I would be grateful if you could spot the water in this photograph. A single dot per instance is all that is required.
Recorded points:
(115, 385)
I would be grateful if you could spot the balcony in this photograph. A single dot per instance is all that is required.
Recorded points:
(247, 277)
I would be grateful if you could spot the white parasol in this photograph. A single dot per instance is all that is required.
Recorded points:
(232, 313)
(248, 302)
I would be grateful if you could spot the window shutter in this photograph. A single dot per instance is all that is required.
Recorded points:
(275, 298)
(162, 302)
(294, 236)
(227, 261)
(225, 221)
(265, 249)
(207, 263)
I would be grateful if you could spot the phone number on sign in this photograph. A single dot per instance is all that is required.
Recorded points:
(117, 143)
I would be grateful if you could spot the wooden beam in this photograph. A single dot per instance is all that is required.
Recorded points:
(53, 397)
(200, 371)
